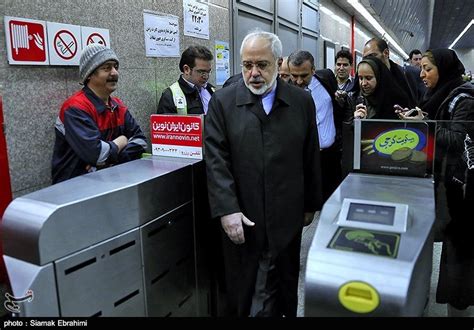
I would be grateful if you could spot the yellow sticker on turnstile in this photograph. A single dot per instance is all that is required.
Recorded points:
(359, 297)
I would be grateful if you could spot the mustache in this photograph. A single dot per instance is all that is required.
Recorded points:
(256, 81)
(112, 80)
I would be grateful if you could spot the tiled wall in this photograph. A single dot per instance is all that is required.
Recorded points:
(32, 95)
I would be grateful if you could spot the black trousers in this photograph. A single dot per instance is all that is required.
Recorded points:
(331, 171)
(456, 274)
(242, 264)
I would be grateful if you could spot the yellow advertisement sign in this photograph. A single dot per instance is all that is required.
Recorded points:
(392, 140)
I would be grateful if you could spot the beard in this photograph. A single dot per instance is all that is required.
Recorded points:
(265, 87)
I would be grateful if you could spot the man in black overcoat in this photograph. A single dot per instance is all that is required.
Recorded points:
(263, 171)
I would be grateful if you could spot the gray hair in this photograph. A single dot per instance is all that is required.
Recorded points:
(275, 43)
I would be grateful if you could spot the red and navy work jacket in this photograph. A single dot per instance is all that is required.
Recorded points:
(85, 129)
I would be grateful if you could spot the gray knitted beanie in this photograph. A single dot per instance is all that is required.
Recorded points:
(93, 56)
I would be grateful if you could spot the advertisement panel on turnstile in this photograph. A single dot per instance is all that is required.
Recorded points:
(394, 147)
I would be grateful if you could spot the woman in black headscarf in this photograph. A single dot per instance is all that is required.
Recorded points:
(375, 92)
(451, 101)
(374, 95)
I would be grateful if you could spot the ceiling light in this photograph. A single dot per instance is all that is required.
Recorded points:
(361, 9)
(461, 34)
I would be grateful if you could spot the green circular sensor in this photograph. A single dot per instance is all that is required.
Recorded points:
(401, 154)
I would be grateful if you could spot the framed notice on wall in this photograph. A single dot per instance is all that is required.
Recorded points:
(196, 19)
(329, 54)
(161, 35)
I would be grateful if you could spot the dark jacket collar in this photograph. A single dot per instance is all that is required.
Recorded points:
(99, 105)
(327, 78)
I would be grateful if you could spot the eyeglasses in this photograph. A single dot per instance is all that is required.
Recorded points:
(261, 65)
(203, 73)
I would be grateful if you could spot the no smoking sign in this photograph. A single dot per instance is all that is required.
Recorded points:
(96, 38)
(93, 35)
(64, 43)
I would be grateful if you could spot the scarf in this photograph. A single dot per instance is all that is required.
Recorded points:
(387, 93)
(450, 70)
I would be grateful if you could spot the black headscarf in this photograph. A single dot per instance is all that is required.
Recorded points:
(387, 93)
(450, 70)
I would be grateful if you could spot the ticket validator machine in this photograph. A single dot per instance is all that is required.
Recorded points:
(371, 254)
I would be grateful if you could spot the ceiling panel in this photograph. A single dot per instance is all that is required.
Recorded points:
(409, 21)
(450, 17)
(406, 19)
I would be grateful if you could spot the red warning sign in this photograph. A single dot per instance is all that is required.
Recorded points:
(65, 44)
(27, 41)
(96, 38)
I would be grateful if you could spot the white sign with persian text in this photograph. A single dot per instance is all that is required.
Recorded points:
(196, 19)
(161, 35)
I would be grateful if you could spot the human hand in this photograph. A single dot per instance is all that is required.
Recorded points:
(121, 142)
(232, 225)
(399, 109)
(405, 113)
(360, 111)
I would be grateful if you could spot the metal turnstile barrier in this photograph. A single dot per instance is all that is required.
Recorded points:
(371, 254)
(117, 242)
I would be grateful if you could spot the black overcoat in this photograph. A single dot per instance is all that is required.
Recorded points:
(265, 166)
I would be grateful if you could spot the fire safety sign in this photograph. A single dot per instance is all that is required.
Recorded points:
(26, 41)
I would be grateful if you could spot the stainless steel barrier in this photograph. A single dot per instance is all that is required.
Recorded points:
(117, 242)
(371, 254)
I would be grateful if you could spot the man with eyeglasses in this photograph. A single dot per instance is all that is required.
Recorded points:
(263, 176)
(192, 92)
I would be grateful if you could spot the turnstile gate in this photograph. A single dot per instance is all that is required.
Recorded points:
(371, 254)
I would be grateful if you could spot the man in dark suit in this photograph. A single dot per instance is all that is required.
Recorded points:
(379, 48)
(415, 58)
(322, 85)
(263, 176)
(412, 73)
